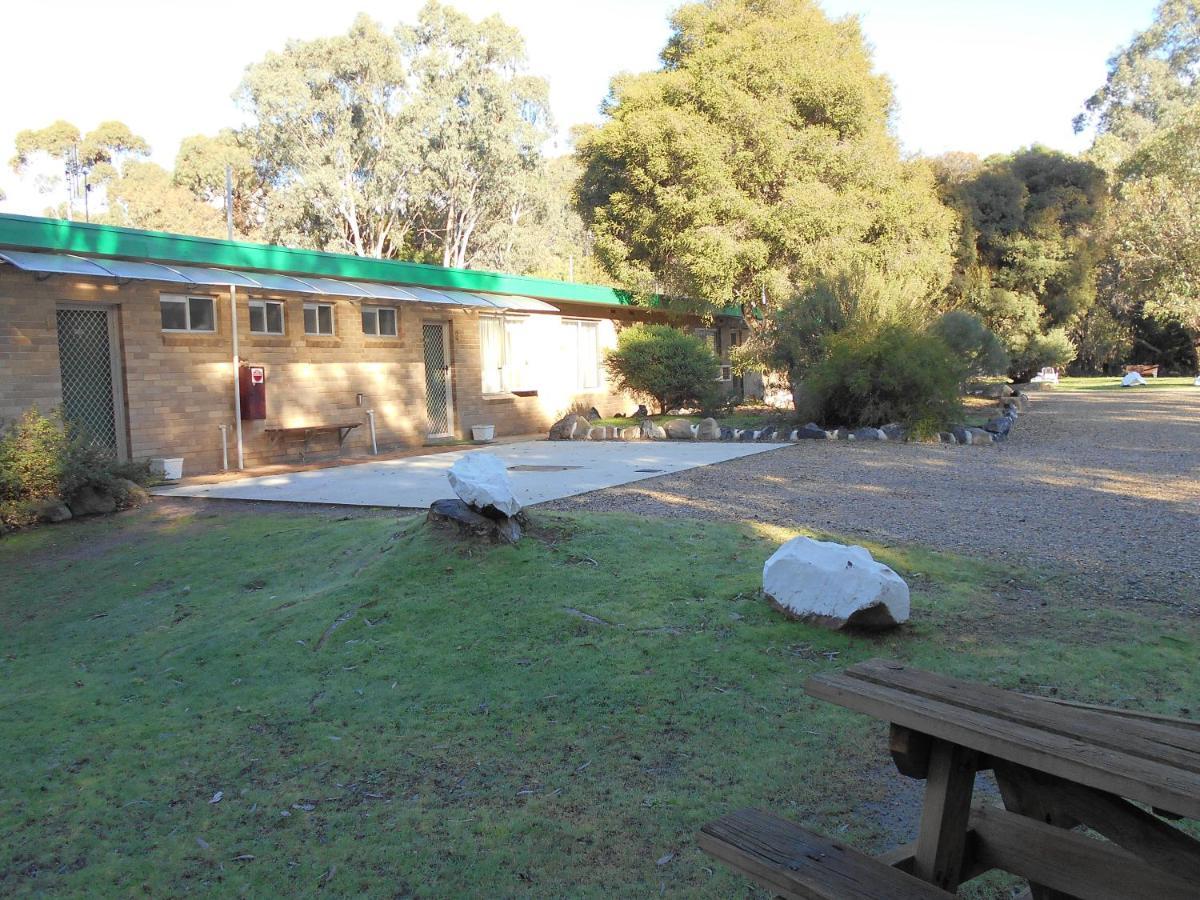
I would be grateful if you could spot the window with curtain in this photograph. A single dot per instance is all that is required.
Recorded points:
(584, 339)
(504, 353)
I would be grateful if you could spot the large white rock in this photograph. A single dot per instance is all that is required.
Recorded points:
(834, 585)
(1131, 379)
(481, 480)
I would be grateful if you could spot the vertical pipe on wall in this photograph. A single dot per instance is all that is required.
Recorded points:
(224, 447)
(371, 423)
(233, 324)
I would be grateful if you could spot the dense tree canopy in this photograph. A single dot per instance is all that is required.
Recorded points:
(756, 167)
(1028, 249)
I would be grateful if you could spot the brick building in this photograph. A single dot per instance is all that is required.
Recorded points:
(131, 333)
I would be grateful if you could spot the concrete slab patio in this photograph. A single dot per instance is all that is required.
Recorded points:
(540, 470)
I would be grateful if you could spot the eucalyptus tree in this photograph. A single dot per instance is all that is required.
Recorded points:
(413, 142)
(60, 154)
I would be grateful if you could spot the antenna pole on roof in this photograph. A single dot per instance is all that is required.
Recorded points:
(233, 324)
(229, 201)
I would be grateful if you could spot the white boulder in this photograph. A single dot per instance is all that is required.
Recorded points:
(1132, 379)
(481, 481)
(834, 585)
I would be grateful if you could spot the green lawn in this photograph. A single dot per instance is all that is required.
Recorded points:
(182, 711)
(1113, 383)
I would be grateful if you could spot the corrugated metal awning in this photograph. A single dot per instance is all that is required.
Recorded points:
(205, 276)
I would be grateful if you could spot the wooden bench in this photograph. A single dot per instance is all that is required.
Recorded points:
(342, 429)
(795, 862)
(1144, 371)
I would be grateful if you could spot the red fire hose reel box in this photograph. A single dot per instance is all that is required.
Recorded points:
(252, 386)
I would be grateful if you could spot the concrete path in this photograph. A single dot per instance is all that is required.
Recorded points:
(540, 470)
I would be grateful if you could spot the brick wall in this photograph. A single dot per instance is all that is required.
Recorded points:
(178, 387)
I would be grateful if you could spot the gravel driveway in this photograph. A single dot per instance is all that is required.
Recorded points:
(1101, 486)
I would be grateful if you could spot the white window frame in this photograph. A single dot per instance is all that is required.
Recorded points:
(266, 321)
(579, 327)
(371, 308)
(513, 370)
(332, 320)
(186, 300)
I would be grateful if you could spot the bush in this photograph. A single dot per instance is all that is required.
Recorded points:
(872, 377)
(1054, 348)
(973, 342)
(670, 366)
(43, 459)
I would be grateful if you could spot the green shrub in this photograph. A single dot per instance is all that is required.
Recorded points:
(671, 366)
(872, 377)
(43, 459)
(1054, 348)
(973, 342)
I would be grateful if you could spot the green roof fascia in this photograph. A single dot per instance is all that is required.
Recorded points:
(37, 233)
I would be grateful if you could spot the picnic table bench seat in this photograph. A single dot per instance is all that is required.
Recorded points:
(797, 863)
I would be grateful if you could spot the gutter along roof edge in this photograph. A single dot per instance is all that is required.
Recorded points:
(36, 233)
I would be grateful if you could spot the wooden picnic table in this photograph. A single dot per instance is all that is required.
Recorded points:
(1057, 765)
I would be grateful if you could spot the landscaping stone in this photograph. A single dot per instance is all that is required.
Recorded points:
(653, 430)
(1000, 425)
(834, 585)
(811, 432)
(870, 434)
(767, 434)
(130, 493)
(946, 437)
(91, 501)
(593, 415)
(52, 510)
(680, 430)
(894, 431)
(960, 434)
(596, 433)
(570, 428)
(727, 433)
(633, 433)
(640, 413)
(747, 434)
(844, 434)
(481, 481)
(470, 522)
(708, 430)
(978, 436)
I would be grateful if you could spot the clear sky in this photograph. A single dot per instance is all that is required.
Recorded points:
(979, 75)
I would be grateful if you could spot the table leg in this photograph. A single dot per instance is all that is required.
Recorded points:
(942, 839)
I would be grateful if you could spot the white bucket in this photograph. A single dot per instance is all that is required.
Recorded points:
(169, 469)
(483, 434)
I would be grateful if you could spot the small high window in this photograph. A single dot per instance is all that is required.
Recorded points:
(379, 321)
(180, 313)
(266, 317)
(318, 318)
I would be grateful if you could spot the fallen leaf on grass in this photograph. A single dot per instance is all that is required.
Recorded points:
(663, 860)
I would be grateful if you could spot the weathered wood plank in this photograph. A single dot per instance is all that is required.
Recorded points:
(942, 836)
(1021, 797)
(1167, 743)
(1177, 721)
(910, 751)
(1069, 863)
(796, 862)
(1148, 781)
(1146, 836)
